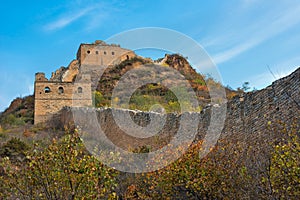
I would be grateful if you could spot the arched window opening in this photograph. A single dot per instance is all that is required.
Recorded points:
(60, 90)
(97, 52)
(47, 90)
(88, 51)
(112, 53)
(127, 57)
(104, 52)
(79, 89)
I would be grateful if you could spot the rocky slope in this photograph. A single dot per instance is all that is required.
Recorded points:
(19, 112)
(157, 91)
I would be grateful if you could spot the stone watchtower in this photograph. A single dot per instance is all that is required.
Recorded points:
(101, 54)
(94, 58)
(52, 96)
(62, 89)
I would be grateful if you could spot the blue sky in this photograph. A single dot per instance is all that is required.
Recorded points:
(242, 37)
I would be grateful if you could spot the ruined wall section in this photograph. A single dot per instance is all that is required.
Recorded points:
(72, 72)
(66, 74)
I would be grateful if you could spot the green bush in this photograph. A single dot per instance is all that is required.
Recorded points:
(12, 120)
(13, 147)
(61, 171)
(285, 166)
(199, 81)
(98, 99)
(2, 135)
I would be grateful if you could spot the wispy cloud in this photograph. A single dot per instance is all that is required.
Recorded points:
(286, 67)
(234, 51)
(70, 17)
(264, 79)
(275, 72)
(254, 35)
(96, 21)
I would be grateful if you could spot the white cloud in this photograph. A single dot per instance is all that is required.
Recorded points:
(254, 35)
(96, 21)
(69, 18)
(274, 73)
(234, 51)
(262, 80)
(285, 68)
(265, 79)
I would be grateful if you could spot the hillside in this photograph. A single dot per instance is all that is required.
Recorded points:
(255, 157)
(22, 108)
(20, 112)
(152, 93)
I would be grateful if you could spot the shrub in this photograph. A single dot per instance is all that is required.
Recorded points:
(214, 177)
(98, 99)
(2, 135)
(14, 147)
(13, 120)
(285, 166)
(61, 171)
(199, 81)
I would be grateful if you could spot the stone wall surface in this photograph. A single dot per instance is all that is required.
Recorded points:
(248, 116)
(252, 112)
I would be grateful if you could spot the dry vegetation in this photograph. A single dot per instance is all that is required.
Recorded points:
(65, 170)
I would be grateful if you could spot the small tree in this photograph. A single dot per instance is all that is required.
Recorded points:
(246, 86)
(98, 99)
(220, 175)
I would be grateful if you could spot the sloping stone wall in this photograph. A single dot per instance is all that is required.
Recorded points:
(248, 116)
(254, 111)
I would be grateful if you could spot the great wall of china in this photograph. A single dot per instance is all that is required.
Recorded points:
(247, 116)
